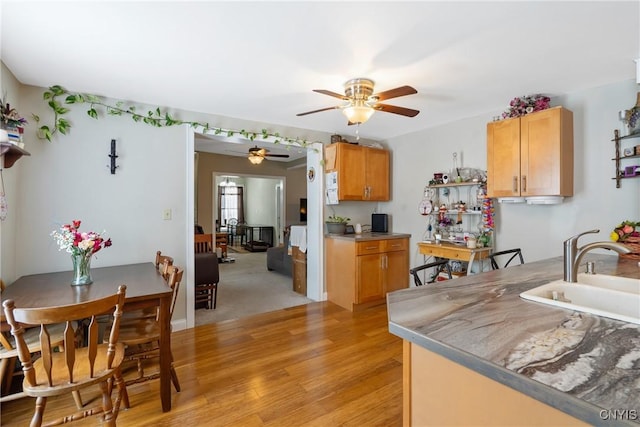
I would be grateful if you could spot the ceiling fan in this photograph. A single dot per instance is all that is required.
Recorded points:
(361, 102)
(257, 155)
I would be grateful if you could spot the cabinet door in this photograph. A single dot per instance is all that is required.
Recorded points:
(546, 153)
(351, 172)
(369, 278)
(503, 158)
(397, 271)
(377, 174)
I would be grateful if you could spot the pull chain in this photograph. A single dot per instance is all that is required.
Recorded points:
(3, 199)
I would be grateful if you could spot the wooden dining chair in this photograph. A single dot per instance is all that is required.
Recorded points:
(142, 338)
(163, 262)
(203, 243)
(509, 254)
(57, 373)
(9, 355)
(440, 265)
(206, 278)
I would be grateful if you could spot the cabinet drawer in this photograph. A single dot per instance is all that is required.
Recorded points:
(369, 247)
(395, 245)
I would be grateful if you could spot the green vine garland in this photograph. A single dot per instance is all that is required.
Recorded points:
(152, 117)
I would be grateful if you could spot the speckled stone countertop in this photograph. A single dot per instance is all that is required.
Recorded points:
(368, 236)
(578, 363)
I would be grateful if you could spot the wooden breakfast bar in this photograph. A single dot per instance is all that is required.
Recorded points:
(454, 251)
(145, 288)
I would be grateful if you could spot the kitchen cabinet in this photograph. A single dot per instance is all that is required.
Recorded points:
(360, 271)
(620, 171)
(363, 172)
(531, 155)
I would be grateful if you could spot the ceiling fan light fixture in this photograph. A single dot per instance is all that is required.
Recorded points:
(358, 113)
(256, 160)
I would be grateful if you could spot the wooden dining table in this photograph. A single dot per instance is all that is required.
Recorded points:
(145, 288)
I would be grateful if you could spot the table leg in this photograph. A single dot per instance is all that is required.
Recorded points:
(165, 353)
(470, 264)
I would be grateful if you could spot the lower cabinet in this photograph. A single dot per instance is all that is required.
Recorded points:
(299, 260)
(360, 273)
(438, 391)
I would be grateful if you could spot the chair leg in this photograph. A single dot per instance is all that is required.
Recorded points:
(107, 406)
(123, 395)
(215, 296)
(78, 399)
(174, 378)
(41, 403)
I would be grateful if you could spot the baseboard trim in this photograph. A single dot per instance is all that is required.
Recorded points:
(178, 325)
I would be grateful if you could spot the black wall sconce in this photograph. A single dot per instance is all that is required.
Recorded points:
(113, 157)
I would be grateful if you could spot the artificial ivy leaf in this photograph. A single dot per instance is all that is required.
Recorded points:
(45, 132)
(92, 113)
(57, 90)
(136, 117)
(71, 99)
(35, 117)
(93, 98)
(63, 125)
(47, 95)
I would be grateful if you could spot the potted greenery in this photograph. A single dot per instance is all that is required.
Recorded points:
(336, 224)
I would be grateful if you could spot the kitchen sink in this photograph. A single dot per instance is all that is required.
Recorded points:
(625, 284)
(599, 294)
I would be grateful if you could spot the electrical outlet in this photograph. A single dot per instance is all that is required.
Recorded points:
(166, 214)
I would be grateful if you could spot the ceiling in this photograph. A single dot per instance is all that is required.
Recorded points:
(259, 61)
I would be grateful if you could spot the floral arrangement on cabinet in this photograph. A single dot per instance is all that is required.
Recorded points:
(523, 105)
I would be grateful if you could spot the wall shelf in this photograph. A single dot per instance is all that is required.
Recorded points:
(618, 158)
(11, 153)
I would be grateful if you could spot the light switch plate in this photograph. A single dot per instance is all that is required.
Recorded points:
(166, 214)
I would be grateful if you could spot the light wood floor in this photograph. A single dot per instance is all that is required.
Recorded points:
(313, 365)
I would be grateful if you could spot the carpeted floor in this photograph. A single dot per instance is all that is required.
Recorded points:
(246, 287)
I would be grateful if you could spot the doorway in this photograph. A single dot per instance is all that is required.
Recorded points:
(315, 213)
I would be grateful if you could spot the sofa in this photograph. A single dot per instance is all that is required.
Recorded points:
(279, 260)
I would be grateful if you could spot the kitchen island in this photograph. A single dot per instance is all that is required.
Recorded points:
(475, 353)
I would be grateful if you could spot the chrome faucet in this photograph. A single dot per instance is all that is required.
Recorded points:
(573, 255)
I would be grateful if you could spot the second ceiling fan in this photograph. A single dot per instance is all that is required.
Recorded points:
(257, 155)
(362, 102)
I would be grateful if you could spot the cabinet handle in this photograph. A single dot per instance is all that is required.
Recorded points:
(370, 247)
(524, 183)
(515, 184)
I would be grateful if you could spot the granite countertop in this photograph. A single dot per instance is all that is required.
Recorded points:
(368, 236)
(576, 362)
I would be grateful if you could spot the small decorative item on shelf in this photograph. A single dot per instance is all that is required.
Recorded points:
(632, 117)
(526, 104)
(11, 122)
(81, 246)
(628, 233)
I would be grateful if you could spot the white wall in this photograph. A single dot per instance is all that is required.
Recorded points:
(538, 230)
(10, 87)
(69, 179)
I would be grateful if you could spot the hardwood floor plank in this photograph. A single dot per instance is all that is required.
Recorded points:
(313, 365)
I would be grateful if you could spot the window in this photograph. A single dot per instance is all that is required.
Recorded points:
(230, 204)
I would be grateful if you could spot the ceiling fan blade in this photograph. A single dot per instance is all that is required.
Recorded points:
(277, 155)
(334, 94)
(396, 110)
(317, 111)
(394, 93)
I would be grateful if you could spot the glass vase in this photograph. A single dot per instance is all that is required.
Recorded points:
(81, 269)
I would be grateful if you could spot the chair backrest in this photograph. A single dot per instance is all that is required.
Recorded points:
(175, 277)
(207, 269)
(70, 315)
(203, 243)
(509, 255)
(162, 264)
(439, 266)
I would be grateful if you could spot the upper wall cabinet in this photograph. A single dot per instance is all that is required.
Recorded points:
(531, 155)
(363, 172)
